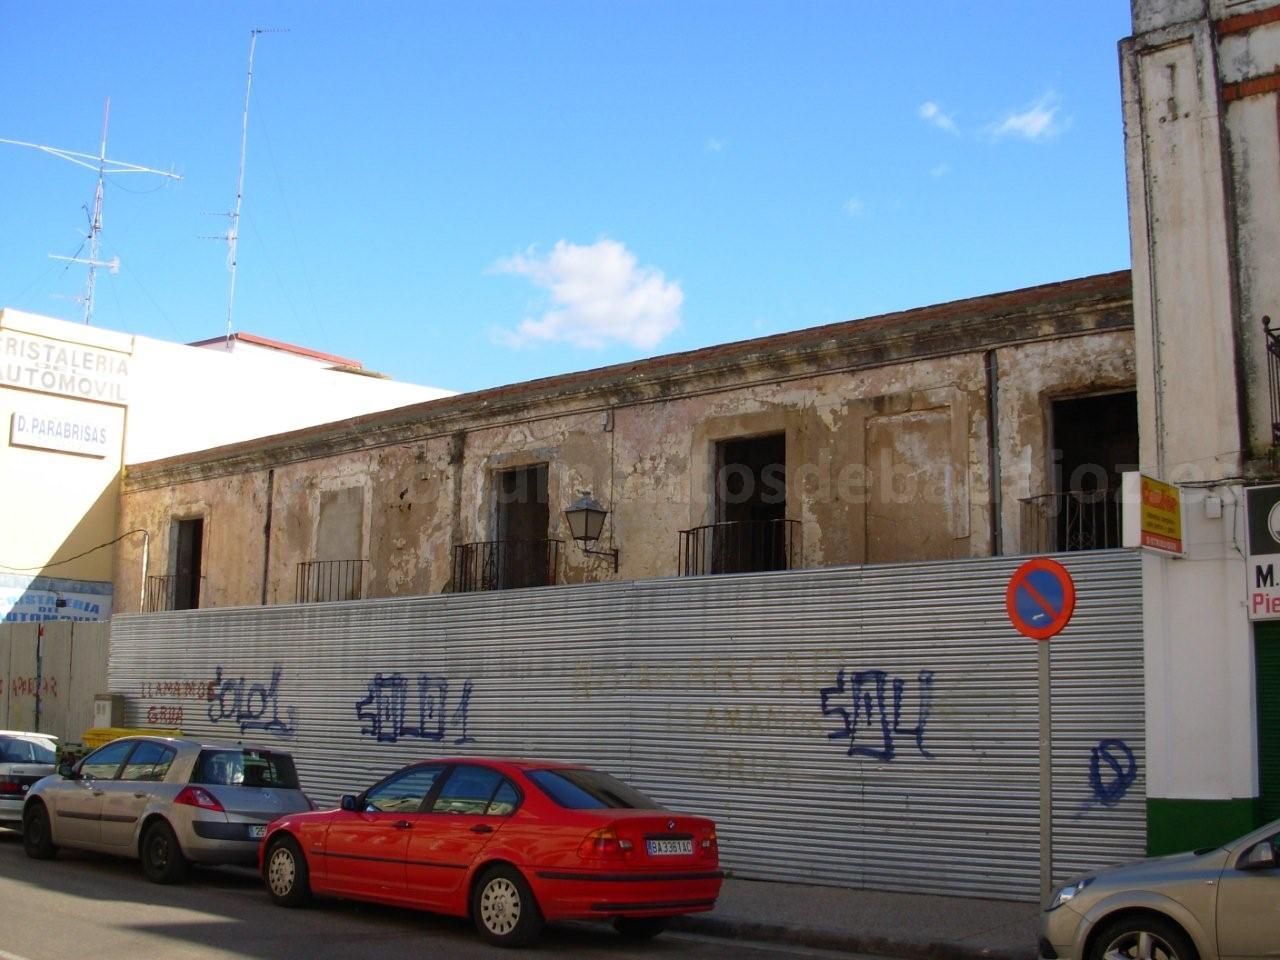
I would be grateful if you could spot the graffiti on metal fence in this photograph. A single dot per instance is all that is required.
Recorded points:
(30, 686)
(1112, 771)
(254, 706)
(869, 707)
(392, 711)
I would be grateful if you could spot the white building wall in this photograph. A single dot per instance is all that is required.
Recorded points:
(1204, 201)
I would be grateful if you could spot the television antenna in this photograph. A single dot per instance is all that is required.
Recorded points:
(104, 167)
(232, 235)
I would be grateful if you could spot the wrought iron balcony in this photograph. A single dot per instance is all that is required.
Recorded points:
(505, 564)
(1273, 376)
(1071, 521)
(741, 546)
(170, 592)
(324, 580)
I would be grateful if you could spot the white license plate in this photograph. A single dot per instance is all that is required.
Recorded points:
(258, 831)
(669, 848)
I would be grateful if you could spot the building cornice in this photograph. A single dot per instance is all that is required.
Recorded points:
(1051, 312)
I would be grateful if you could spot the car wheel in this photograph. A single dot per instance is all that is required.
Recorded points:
(1143, 937)
(503, 908)
(162, 859)
(284, 870)
(37, 837)
(639, 928)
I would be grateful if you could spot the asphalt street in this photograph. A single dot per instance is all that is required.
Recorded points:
(81, 904)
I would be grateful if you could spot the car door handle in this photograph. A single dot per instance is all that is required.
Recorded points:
(97, 793)
(141, 796)
(402, 825)
(482, 828)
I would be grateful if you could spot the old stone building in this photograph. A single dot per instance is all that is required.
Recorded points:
(867, 441)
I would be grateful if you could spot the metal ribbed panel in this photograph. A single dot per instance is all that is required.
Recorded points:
(708, 693)
(1099, 721)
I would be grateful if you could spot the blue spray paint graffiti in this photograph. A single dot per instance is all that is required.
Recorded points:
(872, 711)
(1115, 760)
(255, 707)
(388, 715)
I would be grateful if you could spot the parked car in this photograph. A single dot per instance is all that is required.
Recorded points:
(510, 843)
(1212, 904)
(24, 759)
(168, 801)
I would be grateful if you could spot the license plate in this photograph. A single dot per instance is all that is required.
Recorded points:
(669, 848)
(258, 831)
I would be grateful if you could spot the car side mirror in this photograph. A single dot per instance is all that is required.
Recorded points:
(1261, 856)
(67, 770)
(348, 802)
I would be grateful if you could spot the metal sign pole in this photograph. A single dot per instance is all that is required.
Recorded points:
(1046, 777)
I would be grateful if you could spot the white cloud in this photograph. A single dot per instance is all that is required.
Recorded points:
(1037, 122)
(941, 170)
(714, 145)
(854, 207)
(931, 113)
(598, 296)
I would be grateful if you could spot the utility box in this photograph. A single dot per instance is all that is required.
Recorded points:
(108, 710)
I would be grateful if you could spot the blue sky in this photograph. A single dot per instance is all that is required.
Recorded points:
(472, 194)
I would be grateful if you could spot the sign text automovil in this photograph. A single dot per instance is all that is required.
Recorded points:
(72, 370)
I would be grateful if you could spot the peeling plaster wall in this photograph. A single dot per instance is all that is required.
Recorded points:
(1031, 377)
(885, 463)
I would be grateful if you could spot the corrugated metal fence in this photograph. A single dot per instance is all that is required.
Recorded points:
(867, 726)
(48, 682)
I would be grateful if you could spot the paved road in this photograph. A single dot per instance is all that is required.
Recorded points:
(84, 905)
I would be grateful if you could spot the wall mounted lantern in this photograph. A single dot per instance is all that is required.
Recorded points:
(586, 522)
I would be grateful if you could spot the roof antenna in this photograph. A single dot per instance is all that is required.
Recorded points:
(233, 231)
(104, 167)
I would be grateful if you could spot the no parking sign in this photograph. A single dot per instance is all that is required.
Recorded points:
(1040, 598)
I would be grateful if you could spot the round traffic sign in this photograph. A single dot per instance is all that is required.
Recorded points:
(1040, 598)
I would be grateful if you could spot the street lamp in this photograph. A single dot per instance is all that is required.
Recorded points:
(586, 522)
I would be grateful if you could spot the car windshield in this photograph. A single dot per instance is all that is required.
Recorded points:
(589, 790)
(22, 750)
(245, 768)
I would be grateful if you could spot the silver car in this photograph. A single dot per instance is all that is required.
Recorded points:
(24, 759)
(167, 801)
(1218, 904)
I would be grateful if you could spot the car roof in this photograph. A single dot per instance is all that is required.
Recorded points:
(31, 734)
(517, 763)
(199, 744)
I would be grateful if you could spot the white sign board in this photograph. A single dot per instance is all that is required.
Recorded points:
(67, 427)
(28, 599)
(1263, 567)
(69, 369)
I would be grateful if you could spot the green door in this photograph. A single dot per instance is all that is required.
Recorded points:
(1267, 660)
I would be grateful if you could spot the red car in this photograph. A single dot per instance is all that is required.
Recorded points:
(510, 843)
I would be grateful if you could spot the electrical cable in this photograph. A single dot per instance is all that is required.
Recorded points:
(58, 563)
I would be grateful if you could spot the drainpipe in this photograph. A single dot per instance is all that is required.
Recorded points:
(142, 591)
(266, 534)
(993, 454)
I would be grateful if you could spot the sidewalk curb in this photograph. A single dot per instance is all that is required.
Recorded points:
(830, 940)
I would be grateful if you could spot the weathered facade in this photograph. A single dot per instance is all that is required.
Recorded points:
(868, 441)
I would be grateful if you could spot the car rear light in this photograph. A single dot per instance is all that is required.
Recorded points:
(709, 844)
(604, 844)
(9, 786)
(198, 797)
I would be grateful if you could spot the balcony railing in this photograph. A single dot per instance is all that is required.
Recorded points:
(742, 546)
(1273, 376)
(1071, 521)
(319, 581)
(162, 594)
(505, 564)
